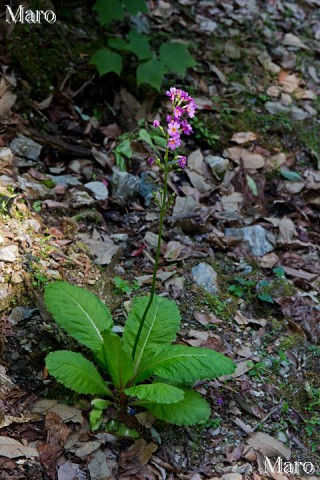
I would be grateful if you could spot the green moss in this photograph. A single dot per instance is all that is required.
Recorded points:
(42, 54)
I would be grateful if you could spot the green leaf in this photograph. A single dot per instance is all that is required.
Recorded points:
(79, 312)
(95, 418)
(151, 72)
(156, 392)
(135, 6)
(124, 148)
(124, 431)
(76, 372)
(159, 329)
(107, 61)
(117, 361)
(187, 364)
(252, 185)
(189, 411)
(176, 57)
(120, 161)
(109, 10)
(139, 45)
(160, 141)
(266, 297)
(145, 136)
(117, 43)
(293, 176)
(100, 403)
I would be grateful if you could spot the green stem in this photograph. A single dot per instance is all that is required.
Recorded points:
(163, 208)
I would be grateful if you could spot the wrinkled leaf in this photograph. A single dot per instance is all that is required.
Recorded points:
(189, 411)
(76, 372)
(11, 448)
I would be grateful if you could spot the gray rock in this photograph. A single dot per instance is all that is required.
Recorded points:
(65, 180)
(25, 147)
(20, 313)
(205, 277)
(275, 107)
(299, 114)
(9, 253)
(218, 165)
(80, 198)
(99, 190)
(124, 187)
(147, 187)
(260, 241)
(33, 224)
(35, 191)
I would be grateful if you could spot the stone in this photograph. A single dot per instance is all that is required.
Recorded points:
(273, 91)
(147, 187)
(65, 180)
(298, 113)
(119, 237)
(80, 198)
(124, 187)
(33, 224)
(99, 190)
(54, 274)
(16, 278)
(25, 147)
(232, 476)
(151, 239)
(9, 253)
(286, 99)
(6, 155)
(218, 165)
(35, 191)
(19, 314)
(205, 277)
(259, 240)
(275, 108)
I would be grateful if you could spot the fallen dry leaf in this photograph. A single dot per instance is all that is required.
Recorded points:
(243, 137)
(292, 272)
(292, 40)
(207, 318)
(251, 161)
(6, 420)
(287, 230)
(198, 337)
(7, 98)
(11, 448)
(242, 368)
(268, 446)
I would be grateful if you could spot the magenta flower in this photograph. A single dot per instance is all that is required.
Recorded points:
(172, 93)
(173, 129)
(174, 142)
(191, 108)
(150, 161)
(182, 161)
(186, 127)
(178, 111)
(156, 123)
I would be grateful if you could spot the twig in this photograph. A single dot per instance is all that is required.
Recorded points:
(272, 411)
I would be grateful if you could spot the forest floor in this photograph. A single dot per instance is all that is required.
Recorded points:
(245, 219)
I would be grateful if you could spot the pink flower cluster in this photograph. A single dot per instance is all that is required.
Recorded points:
(182, 106)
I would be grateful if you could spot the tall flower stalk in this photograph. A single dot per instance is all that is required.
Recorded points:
(182, 106)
